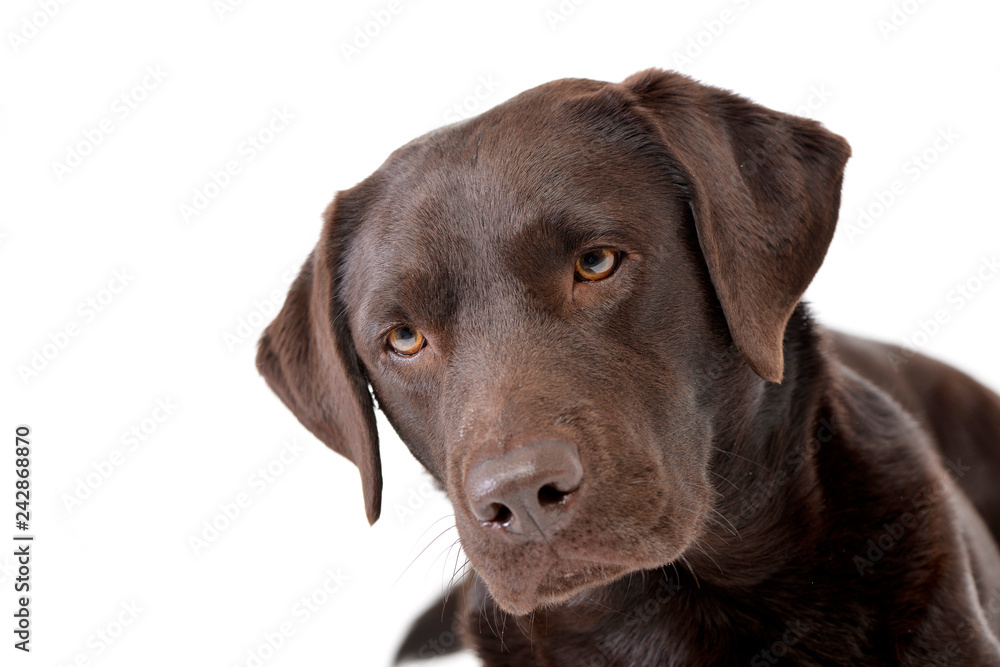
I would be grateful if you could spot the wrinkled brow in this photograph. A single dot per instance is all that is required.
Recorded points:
(420, 290)
(576, 229)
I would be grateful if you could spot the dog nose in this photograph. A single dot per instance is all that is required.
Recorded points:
(526, 489)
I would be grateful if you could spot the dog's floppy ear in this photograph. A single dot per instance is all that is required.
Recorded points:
(764, 188)
(307, 357)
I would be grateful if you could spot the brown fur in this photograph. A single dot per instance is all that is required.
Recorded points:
(755, 490)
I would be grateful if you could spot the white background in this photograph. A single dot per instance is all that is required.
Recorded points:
(192, 282)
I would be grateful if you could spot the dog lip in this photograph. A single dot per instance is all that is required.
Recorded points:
(564, 580)
(563, 583)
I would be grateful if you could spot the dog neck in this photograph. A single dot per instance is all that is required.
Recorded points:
(764, 466)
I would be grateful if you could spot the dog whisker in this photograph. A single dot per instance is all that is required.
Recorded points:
(724, 479)
(417, 557)
(699, 509)
(459, 573)
(706, 554)
(729, 524)
(604, 606)
(455, 570)
(434, 523)
(701, 486)
(740, 456)
(691, 570)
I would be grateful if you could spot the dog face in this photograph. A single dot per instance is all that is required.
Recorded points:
(546, 300)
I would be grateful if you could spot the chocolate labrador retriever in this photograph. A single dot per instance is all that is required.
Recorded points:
(581, 312)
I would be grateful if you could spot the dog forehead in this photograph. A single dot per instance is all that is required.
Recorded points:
(561, 149)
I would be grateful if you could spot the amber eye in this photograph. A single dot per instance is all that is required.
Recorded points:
(406, 341)
(597, 264)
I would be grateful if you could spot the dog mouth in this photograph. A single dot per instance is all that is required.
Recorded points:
(545, 578)
(569, 578)
(563, 581)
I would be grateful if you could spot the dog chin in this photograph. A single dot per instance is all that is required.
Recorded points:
(563, 582)
(560, 581)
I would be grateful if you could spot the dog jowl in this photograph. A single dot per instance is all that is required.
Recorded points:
(581, 312)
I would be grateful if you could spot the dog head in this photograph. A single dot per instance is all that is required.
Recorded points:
(548, 301)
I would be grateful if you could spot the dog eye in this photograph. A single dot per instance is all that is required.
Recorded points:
(406, 341)
(596, 264)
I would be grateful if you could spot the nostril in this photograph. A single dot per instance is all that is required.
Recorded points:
(550, 495)
(500, 514)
